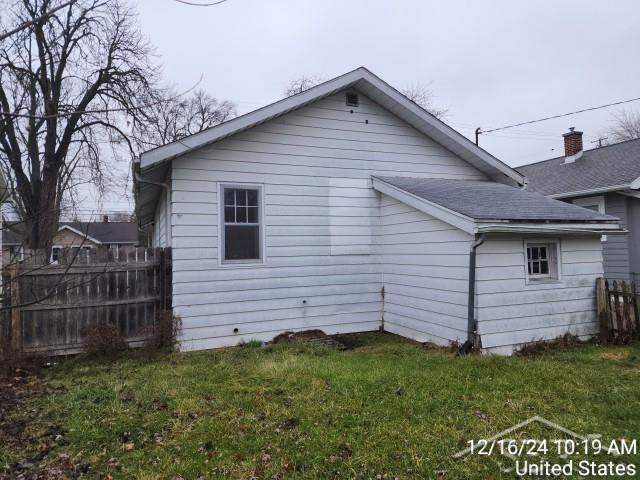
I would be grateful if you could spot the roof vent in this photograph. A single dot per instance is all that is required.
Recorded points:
(352, 99)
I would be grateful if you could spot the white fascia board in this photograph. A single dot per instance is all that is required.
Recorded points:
(635, 185)
(458, 220)
(360, 78)
(593, 191)
(78, 232)
(630, 193)
(577, 228)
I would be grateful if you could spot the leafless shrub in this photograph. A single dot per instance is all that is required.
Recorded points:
(164, 334)
(103, 340)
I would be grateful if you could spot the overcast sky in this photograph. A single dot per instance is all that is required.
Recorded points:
(491, 63)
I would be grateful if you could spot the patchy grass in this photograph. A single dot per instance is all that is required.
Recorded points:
(388, 407)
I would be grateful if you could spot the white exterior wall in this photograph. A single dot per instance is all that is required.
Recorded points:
(320, 214)
(512, 312)
(425, 265)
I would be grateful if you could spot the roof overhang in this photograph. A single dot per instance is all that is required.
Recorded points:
(473, 226)
(635, 185)
(370, 85)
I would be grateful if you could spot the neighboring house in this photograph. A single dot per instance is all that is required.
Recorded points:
(85, 235)
(606, 180)
(349, 208)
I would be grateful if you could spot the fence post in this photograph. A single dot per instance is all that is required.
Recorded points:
(604, 315)
(14, 314)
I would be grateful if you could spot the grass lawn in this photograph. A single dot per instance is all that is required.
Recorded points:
(388, 408)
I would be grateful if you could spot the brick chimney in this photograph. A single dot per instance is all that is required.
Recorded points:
(572, 145)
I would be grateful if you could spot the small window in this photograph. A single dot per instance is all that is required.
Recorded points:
(542, 261)
(56, 252)
(352, 99)
(592, 203)
(241, 235)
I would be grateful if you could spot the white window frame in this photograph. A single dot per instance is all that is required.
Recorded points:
(51, 260)
(597, 201)
(261, 226)
(554, 254)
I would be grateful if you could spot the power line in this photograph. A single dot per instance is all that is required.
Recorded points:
(196, 4)
(561, 115)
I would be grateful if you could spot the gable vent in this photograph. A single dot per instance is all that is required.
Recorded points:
(352, 99)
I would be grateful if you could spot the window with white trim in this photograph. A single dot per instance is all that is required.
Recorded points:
(241, 240)
(542, 261)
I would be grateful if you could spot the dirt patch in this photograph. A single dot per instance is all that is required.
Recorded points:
(544, 346)
(17, 420)
(341, 341)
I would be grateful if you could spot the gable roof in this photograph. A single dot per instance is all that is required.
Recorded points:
(473, 204)
(605, 169)
(98, 232)
(371, 86)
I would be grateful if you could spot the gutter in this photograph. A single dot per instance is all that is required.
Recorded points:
(467, 347)
(167, 189)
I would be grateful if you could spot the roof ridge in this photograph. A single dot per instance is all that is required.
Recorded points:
(584, 151)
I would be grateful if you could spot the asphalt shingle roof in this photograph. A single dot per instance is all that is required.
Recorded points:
(105, 232)
(486, 200)
(604, 167)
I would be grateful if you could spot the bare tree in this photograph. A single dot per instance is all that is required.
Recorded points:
(424, 97)
(417, 93)
(627, 127)
(302, 83)
(68, 85)
(177, 118)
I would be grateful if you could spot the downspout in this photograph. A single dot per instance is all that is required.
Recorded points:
(167, 189)
(467, 346)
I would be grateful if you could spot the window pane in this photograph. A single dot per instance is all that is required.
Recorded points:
(543, 253)
(229, 196)
(229, 214)
(242, 243)
(544, 266)
(252, 216)
(529, 268)
(252, 198)
(535, 267)
(241, 197)
(241, 215)
(534, 253)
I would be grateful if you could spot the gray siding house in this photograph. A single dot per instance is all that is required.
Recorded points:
(349, 208)
(605, 179)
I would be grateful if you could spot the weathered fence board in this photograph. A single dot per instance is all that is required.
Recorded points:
(618, 311)
(52, 307)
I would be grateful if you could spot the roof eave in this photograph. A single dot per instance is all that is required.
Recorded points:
(551, 228)
(366, 82)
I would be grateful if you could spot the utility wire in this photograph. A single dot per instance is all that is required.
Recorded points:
(561, 115)
(196, 4)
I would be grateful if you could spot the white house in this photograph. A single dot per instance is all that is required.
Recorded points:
(349, 208)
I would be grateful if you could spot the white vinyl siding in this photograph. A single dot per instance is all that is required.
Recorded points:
(512, 312)
(424, 263)
(320, 216)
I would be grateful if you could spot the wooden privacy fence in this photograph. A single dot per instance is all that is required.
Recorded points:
(618, 311)
(52, 307)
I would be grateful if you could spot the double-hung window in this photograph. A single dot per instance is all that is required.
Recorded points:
(241, 240)
(542, 261)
